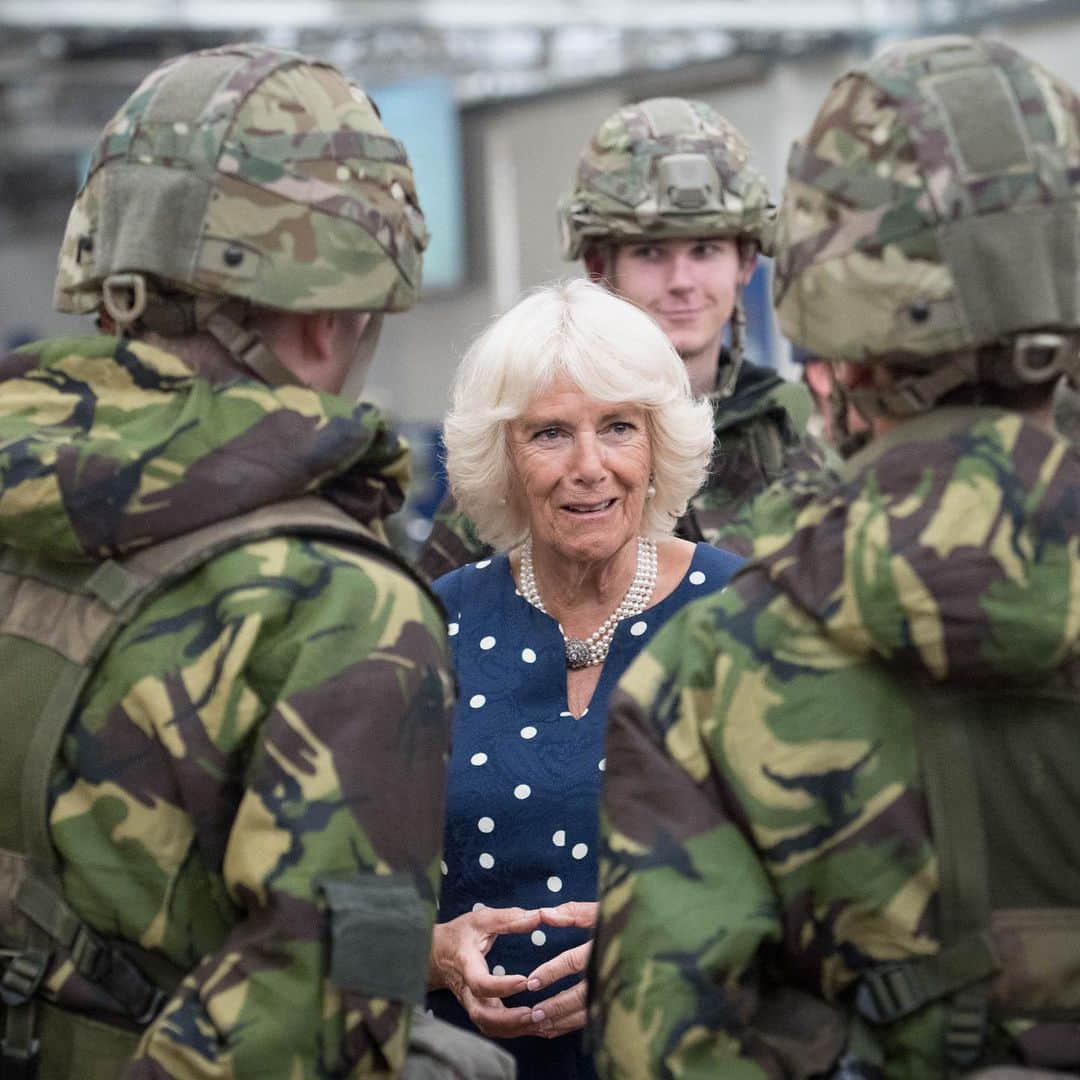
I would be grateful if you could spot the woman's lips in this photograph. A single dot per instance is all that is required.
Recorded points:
(584, 509)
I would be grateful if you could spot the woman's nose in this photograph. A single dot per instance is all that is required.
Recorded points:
(589, 459)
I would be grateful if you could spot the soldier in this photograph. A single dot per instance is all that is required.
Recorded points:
(668, 212)
(842, 803)
(226, 710)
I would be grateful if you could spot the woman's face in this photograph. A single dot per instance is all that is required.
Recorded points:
(581, 468)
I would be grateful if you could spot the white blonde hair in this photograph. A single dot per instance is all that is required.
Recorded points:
(613, 352)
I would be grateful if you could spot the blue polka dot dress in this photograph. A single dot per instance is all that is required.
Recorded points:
(525, 775)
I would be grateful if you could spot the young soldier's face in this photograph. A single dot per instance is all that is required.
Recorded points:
(688, 286)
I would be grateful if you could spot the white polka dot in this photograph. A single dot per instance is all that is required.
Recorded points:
(483, 564)
(522, 791)
(554, 883)
(452, 629)
(479, 905)
(498, 969)
(180, 128)
(528, 732)
(487, 643)
(342, 172)
(559, 838)
(478, 701)
(579, 851)
(486, 824)
(478, 759)
(443, 867)
(697, 578)
(528, 656)
(603, 764)
(538, 937)
(639, 628)
(486, 860)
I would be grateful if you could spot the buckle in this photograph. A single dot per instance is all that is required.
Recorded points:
(23, 976)
(19, 1064)
(122, 979)
(124, 297)
(1039, 357)
(889, 993)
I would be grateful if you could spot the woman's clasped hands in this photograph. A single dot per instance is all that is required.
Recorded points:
(458, 962)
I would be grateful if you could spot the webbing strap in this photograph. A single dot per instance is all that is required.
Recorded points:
(960, 839)
(22, 976)
(955, 816)
(960, 971)
(113, 585)
(98, 961)
(892, 991)
(40, 755)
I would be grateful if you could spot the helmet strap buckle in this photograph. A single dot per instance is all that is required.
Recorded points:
(124, 297)
(1038, 357)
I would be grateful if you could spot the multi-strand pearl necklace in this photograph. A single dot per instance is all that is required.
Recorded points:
(582, 653)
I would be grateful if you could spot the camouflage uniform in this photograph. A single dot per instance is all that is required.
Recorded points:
(673, 169)
(773, 848)
(260, 755)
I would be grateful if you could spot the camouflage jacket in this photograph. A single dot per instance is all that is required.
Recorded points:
(276, 720)
(760, 435)
(765, 833)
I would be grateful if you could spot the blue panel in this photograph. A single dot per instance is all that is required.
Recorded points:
(422, 114)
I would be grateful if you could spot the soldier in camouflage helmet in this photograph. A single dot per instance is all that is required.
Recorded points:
(668, 211)
(239, 852)
(841, 808)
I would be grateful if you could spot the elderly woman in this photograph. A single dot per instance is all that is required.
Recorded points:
(573, 444)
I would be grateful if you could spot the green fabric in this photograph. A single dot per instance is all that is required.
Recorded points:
(981, 114)
(27, 674)
(378, 937)
(1015, 271)
(81, 1048)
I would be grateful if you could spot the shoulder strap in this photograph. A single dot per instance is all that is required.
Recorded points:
(960, 971)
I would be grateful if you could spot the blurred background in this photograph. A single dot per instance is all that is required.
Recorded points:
(494, 100)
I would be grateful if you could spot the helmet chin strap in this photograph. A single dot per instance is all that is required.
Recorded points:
(846, 442)
(728, 375)
(365, 353)
(224, 323)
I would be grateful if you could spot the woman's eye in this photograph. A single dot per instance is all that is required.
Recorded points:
(548, 434)
(621, 427)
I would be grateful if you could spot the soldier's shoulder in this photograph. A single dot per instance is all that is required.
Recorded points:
(795, 400)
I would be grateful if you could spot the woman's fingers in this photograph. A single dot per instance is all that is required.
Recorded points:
(505, 920)
(479, 980)
(561, 1013)
(494, 1019)
(572, 913)
(571, 962)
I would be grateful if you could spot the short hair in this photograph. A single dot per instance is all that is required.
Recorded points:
(613, 352)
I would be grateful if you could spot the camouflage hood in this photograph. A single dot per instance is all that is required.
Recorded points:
(109, 445)
(949, 546)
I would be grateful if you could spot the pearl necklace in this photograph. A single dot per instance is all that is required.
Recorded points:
(582, 653)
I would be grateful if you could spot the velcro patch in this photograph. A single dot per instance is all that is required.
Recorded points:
(379, 936)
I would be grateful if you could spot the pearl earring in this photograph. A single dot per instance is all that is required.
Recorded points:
(650, 491)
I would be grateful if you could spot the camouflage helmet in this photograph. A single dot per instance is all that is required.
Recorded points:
(249, 173)
(930, 220)
(661, 169)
